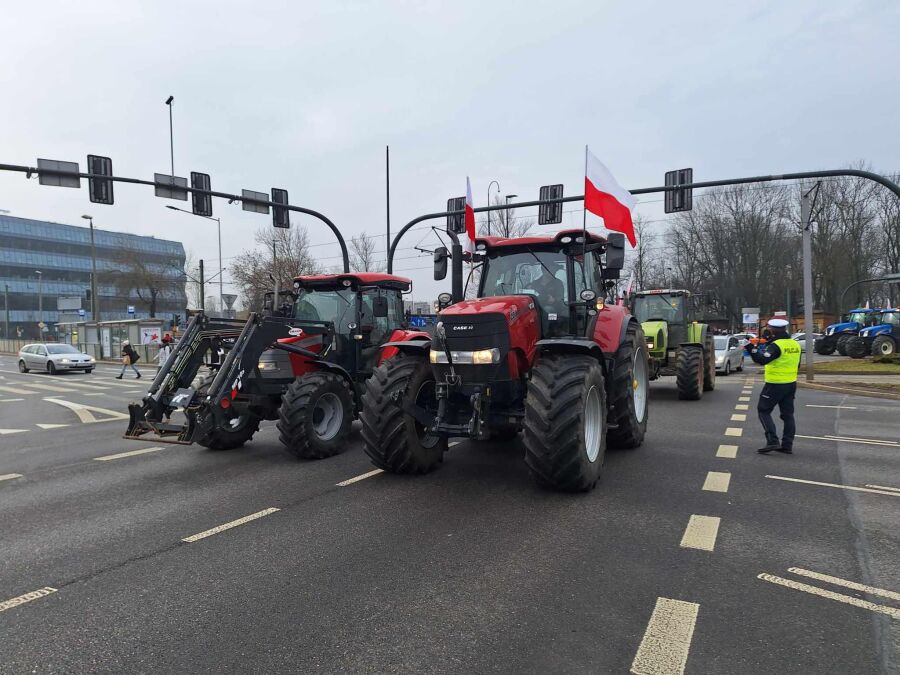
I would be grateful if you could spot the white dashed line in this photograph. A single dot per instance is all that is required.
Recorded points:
(822, 593)
(228, 526)
(834, 485)
(744, 399)
(667, 640)
(27, 597)
(356, 479)
(738, 417)
(10, 400)
(130, 453)
(843, 407)
(4, 432)
(717, 481)
(837, 581)
(883, 487)
(10, 476)
(851, 439)
(701, 533)
(727, 451)
(742, 406)
(734, 431)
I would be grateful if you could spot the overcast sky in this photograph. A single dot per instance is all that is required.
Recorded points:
(305, 96)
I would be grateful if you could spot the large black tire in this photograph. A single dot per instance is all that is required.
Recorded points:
(239, 430)
(565, 422)
(315, 415)
(825, 347)
(689, 372)
(393, 440)
(628, 391)
(709, 355)
(884, 345)
(842, 343)
(857, 347)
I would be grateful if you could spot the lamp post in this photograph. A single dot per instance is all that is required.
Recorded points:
(497, 183)
(508, 228)
(95, 301)
(171, 136)
(219, 228)
(40, 302)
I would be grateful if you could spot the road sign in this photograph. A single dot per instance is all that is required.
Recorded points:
(170, 187)
(131, 309)
(53, 172)
(456, 224)
(201, 205)
(228, 299)
(251, 201)
(683, 199)
(281, 217)
(81, 312)
(100, 190)
(550, 214)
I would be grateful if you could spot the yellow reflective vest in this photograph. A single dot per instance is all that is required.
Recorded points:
(783, 370)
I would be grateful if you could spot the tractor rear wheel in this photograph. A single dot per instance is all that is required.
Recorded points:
(237, 430)
(628, 391)
(565, 422)
(315, 415)
(709, 354)
(825, 347)
(842, 343)
(857, 348)
(394, 440)
(884, 345)
(689, 372)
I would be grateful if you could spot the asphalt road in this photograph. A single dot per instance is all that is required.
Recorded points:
(470, 568)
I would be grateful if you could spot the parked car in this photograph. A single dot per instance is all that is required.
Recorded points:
(801, 339)
(54, 358)
(729, 353)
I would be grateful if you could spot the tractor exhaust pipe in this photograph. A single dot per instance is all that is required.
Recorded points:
(456, 273)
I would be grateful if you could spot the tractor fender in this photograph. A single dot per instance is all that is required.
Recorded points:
(610, 326)
(570, 345)
(414, 345)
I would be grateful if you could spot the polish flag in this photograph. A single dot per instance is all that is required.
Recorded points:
(604, 197)
(470, 219)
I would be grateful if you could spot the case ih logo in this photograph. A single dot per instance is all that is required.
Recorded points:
(295, 332)
(463, 327)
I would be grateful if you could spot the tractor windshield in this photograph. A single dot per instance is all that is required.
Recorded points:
(660, 307)
(338, 306)
(858, 317)
(541, 274)
(891, 318)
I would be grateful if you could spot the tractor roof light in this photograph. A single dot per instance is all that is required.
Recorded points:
(296, 284)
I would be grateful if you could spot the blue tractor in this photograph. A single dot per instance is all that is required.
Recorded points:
(882, 339)
(838, 334)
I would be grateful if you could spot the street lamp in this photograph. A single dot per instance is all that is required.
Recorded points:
(171, 137)
(219, 227)
(508, 228)
(40, 302)
(497, 183)
(95, 302)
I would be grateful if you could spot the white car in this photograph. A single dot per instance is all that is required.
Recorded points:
(729, 354)
(744, 338)
(801, 339)
(54, 358)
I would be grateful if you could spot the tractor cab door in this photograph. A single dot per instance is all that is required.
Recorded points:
(381, 313)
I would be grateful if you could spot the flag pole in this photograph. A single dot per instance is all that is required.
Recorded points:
(584, 209)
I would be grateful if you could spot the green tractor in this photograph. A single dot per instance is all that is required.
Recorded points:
(679, 344)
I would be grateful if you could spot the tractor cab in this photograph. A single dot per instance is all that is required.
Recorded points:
(663, 312)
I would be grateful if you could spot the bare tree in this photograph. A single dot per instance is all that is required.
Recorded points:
(505, 222)
(646, 260)
(149, 280)
(363, 256)
(280, 254)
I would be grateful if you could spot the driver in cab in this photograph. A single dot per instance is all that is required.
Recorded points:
(550, 291)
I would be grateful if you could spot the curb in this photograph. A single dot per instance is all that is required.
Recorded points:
(850, 391)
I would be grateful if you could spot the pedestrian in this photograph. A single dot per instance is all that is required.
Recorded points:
(781, 358)
(164, 350)
(129, 358)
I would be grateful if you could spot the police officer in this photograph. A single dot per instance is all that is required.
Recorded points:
(781, 358)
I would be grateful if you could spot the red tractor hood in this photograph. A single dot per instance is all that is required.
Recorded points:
(511, 306)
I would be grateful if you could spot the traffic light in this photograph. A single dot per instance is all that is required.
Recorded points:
(682, 199)
(101, 190)
(550, 214)
(281, 217)
(201, 204)
(457, 223)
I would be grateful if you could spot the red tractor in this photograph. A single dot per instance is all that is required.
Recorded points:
(538, 350)
(303, 364)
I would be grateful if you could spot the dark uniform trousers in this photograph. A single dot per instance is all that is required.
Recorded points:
(781, 395)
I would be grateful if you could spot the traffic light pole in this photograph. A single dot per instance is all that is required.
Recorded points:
(806, 225)
(202, 288)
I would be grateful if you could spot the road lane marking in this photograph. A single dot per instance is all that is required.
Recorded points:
(130, 453)
(85, 412)
(51, 387)
(667, 640)
(17, 390)
(834, 485)
(356, 479)
(701, 532)
(51, 426)
(452, 443)
(738, 417)
(831, 595)
(717, 481)
(27, 597)
(843, 407)
(96, 393)
(727, 451)
(883, 487)
(734, 431)
(837, 581)
(10, 476)
(744, 399)
(742, 406)
(228, 526)
(10, 400)
(4, 432)
(851, 439)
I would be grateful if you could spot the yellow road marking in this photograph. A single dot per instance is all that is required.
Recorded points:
(130, 453)
(51, 387)
(851, 439)
(837, 581)
(883, 487)
(744, 399)
(834, 485)
(701, 532)
(228, 526)
(10, 476)
(667, 640)
(717, 481)
(738, 417)
(27, 597)
(734, 431)
(356, 479)
(727, 451)
(822, 593)
(843, 407)
(742, 406)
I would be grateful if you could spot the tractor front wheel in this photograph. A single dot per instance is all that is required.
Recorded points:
(825, 347)
(857, 348)
(235, 432)
(315, 415)
(843, 343)
(884, 345)
(628, 391)
(689, 372)
(565, 422)
(394, 440)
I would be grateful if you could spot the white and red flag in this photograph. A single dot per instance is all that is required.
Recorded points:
(604, 197)
(470, 219)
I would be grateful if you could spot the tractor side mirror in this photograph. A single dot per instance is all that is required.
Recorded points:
(441, 254)
(380, 306)
(615, 251)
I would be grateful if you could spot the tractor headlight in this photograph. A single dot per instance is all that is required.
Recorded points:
(484, 357)
(829, 330)
(267, 365)
(650, 343)
(480, 357)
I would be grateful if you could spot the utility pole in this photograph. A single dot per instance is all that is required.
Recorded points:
(40, 303)
(95, 302)
(275, 276)
(387, 173)
(806, 225)
(202, 288)
(6, 307)
(171, 135)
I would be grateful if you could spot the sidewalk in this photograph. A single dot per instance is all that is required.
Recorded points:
(860, 384)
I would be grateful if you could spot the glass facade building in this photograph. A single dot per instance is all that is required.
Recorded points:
(62, 255)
